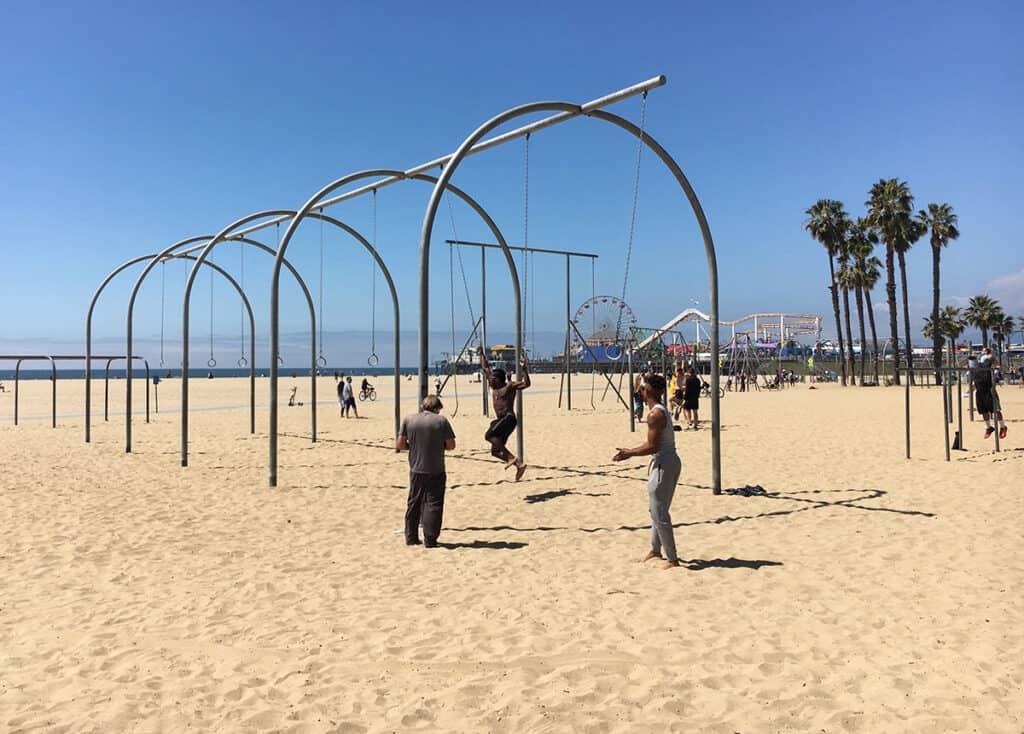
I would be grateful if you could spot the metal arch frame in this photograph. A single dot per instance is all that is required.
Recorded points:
(317, 202)
(106, 384)
(226, 236)
(53, 380)
(162, 257)
(572, 110)
(90, 357)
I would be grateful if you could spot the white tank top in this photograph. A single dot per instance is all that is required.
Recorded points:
(667, 438)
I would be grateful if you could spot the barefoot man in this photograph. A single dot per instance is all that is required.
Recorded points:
(503, 395)
(664, 469)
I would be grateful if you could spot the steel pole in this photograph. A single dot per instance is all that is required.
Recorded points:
(483, 324)
(906, 419)
(960, 409)
(568, 317)
(632, 397)
(947, 415)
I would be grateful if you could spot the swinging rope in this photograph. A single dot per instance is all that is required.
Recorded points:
(242, 361)
(632, 217)
(163, 292)
(373, 360)
(211, 362)
(458, 254)
(593, 325)
(451, 299)
(526, 227)
(321, 360)
(277, 230)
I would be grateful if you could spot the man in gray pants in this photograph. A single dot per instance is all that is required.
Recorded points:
(426, 436)
(664, 470)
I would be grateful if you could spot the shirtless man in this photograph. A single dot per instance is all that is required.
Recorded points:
(503, 396)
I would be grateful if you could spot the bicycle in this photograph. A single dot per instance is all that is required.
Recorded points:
(370, 395)
(705, 391)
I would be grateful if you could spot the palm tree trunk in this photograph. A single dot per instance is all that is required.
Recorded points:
(984, 337)
(849, 333)
(936, 336)
(863, 344)
(874, 334)
(906, 316)
(835, 309)
(890, 291)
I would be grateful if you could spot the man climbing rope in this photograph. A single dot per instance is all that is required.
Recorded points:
(503, 396)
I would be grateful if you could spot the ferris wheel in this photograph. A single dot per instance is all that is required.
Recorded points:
(604, 321)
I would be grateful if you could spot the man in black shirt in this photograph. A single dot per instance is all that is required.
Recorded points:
(691, 398)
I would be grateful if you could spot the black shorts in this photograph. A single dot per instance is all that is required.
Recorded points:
(691, 403)
(502, 427)
(350, 402)
(678, 395)
(986, 401)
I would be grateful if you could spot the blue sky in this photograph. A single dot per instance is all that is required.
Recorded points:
(127, 127)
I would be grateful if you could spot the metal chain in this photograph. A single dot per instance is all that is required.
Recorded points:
(632, 218)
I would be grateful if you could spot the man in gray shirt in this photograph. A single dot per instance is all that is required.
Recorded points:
(426, 436)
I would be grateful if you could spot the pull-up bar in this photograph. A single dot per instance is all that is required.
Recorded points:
(491, 246)
(583, 109)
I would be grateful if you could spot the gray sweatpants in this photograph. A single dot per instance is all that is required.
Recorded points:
(661, 486)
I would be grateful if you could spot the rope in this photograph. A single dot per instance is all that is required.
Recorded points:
(163, 291)
(632, 217)
(533, 307)
(211, 314)
(458, 253)
(241, 307)
(373, 283)
(320, 318)
(451, 298)
(526, 228)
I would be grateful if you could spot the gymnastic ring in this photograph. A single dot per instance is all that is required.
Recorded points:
(613, 357)
(373, 360)
(211, 362)
(243, 362)
(280, 359)
(321, 360)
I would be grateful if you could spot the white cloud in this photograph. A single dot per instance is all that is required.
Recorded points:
(1009, 291)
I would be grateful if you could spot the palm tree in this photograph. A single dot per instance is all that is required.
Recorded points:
(982, 312)
(827, 223)
(871, 271)
(846, 280)
(859, 244)
(889, 210)
(1002, 330)
(942, 222)
(951, 324)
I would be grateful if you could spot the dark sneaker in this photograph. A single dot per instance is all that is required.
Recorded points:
(1002, 432)
(989, 431)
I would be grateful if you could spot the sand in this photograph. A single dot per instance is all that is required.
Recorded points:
(845, 589)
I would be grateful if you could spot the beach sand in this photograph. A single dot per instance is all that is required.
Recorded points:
(845, 589)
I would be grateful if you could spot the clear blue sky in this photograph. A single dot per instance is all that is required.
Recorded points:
(126, 127)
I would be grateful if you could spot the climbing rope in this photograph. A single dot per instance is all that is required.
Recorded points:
(321, 360)
(632, 216)
(163, 292)
(242, 361)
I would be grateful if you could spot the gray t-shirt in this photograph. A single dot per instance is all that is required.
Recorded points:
(426, 433)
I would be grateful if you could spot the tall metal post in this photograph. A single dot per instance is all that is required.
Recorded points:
(960, 408)
(896, 367)
(568, 316)
(946, 411)
(483, 323)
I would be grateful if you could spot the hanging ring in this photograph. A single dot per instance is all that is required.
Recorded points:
(373, 360)
(280, 359)
(321, 360)
(211, 362)
(243, 362)
(161, 363)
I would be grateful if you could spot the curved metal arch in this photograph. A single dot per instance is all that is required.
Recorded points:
(460, 154)
(223, 236)
(138, 284)
(53, 388)
(305, 211)
(106, 385)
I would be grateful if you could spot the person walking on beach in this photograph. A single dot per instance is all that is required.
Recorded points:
(986, 398)
(503, 397)
(341, 398)
(676, 386)
(691, 398)
(665, 468)
(638, 398)
(350, 399)
(426, 436)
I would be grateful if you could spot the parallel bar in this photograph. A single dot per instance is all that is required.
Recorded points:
(522, 249)
(585, 108)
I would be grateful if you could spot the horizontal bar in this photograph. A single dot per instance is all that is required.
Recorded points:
(11, 358)
(585, 108)
(492, 246)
